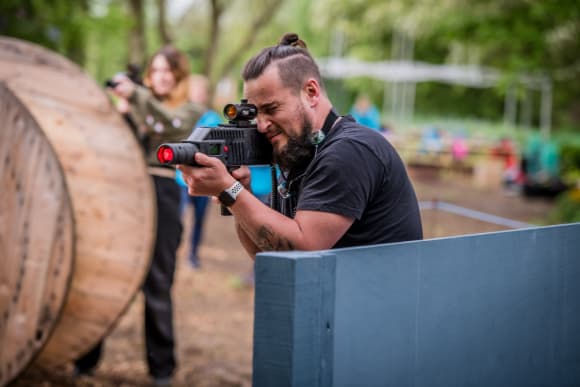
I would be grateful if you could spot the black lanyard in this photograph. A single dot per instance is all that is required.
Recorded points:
(318, 136)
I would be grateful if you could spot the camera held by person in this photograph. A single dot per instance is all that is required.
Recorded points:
(133, 73)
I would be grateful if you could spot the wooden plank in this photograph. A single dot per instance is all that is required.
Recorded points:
(496, 309)
(296, 318)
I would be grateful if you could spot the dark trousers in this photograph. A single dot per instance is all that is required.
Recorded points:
(159, 335)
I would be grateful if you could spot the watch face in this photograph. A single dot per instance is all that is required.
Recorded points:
(226, 199)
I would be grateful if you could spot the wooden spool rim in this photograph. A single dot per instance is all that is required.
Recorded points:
(41, 337)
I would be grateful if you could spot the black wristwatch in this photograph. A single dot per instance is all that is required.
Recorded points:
(229, 195)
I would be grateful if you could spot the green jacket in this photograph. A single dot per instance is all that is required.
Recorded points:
(160, 123)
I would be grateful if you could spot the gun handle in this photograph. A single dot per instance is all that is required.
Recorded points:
(224, 211)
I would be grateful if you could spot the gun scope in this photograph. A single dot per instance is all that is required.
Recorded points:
(242, 111)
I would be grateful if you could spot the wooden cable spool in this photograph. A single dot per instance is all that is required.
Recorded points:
(77, 215)
(36, 237)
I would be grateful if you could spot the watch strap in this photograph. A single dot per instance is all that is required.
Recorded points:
(228, 196)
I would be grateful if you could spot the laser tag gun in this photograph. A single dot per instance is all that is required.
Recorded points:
(236, 143)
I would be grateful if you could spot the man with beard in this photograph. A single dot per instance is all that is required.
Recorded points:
(341, 184)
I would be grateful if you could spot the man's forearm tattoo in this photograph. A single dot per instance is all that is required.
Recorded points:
(267, 240)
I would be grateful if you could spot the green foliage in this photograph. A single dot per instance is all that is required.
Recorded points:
(570, 161)
(341, 97)
(521, 36)
(455, 100)
(516, 37)
(106, 42)
(567, 208)
(56, 24)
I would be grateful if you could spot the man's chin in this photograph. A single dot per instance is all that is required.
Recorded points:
(278, 148)
(279, 155)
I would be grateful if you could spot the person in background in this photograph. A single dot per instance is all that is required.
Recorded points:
(198, 94)
(365, 113)
(459, 147)
(431, 141)
(505, 150)
(540, 166)
(340, 185)
(163, 113)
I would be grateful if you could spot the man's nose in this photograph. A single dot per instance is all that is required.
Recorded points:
(263, 123)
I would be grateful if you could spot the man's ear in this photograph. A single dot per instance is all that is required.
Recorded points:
(312, 91)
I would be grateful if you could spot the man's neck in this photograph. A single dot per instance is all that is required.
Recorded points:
(321, 114)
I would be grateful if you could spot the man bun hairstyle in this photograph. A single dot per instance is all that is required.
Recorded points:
(290, 55)
(292, 39)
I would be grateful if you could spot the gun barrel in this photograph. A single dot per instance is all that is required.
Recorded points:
(177, 153)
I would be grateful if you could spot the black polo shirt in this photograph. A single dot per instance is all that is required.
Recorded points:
(358, 174)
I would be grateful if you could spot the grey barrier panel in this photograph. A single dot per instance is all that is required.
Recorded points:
(495, 309)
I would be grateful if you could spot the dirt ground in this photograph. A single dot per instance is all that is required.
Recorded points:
(214, 304)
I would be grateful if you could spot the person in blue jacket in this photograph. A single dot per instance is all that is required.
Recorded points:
(198, 94)
(365, 113)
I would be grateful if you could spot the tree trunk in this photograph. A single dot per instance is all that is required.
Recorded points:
(76, 44)
(164, 35)
(214, 32)
(137, 45)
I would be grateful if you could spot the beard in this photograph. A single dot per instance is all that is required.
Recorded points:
(299, 150)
